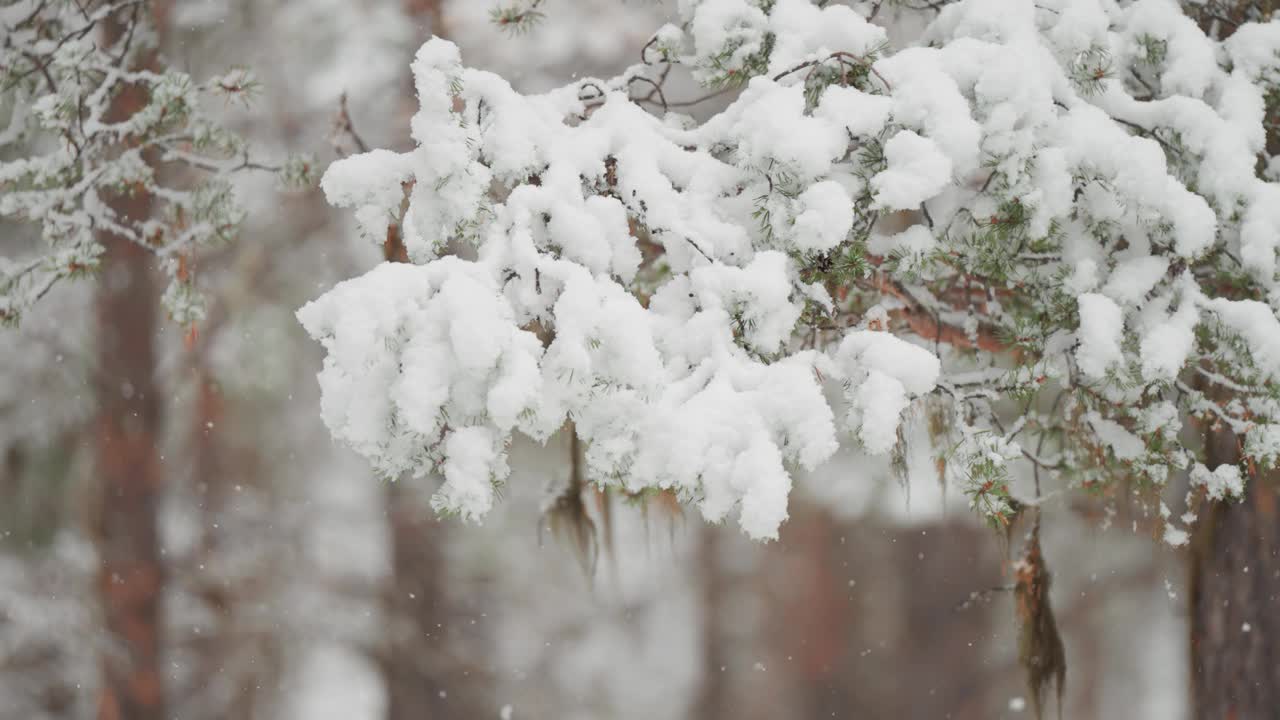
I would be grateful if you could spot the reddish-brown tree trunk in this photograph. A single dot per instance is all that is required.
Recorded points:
(1235, 601)
(713, 700)
(867, 617)
(415, 664)
(210, 457)
(130, 575)
(1235, 568)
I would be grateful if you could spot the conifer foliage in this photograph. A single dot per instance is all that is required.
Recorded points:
(1048, 227)
(62, 64)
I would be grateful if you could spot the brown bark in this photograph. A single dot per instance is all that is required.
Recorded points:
(130, 575)
(414, 666)
(1235, 568)
(1235, 600)
(943, 648)
(210, 458)
(713, 693)
(869, 625)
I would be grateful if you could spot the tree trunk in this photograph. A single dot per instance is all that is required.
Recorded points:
(865, 619)
(1235, 601)
(414, 666)
(713, 699)
(130, 575)
(1235, 571)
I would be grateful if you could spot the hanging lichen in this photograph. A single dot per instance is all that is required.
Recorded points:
(1040, 649)
(567, 513)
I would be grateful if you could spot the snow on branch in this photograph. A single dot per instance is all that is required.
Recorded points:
(1061, 207)
(66, 70)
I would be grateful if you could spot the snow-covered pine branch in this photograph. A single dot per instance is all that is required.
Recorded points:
(1051, 225)
(62, 64)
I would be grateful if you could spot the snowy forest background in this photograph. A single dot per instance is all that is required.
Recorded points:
(296, 584)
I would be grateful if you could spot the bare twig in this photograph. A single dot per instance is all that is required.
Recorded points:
(342, 126)
(981, 596)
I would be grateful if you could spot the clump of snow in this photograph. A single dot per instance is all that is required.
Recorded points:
(1223, 482)
(1101, 329)
(883, 373)
(1140, 173)
(859, 113)
(1255, 322)
(915, 241)
(1132, 279)
(1191, 63)
(776, 129)
(718, 24)
(1254, 49)
(426, 370)
(917, 170)
(1168, 343)
(928, 98)
(804, 31)
(370, 183)
(1175, 536)
(1124, 444)
(826, 218)
(1262, 444)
